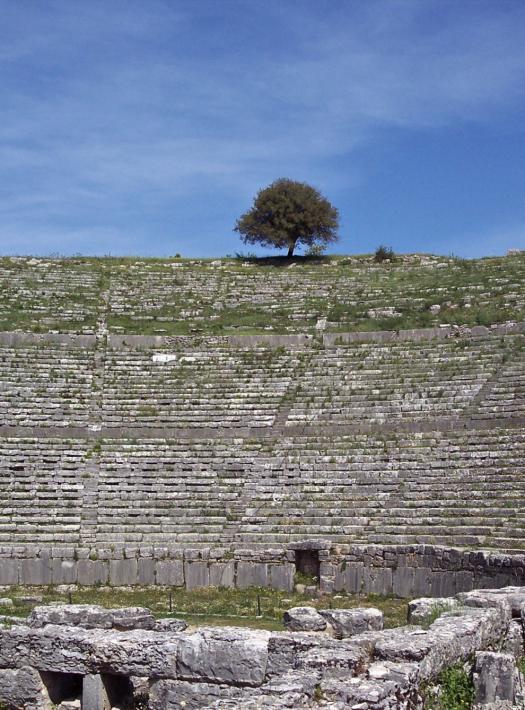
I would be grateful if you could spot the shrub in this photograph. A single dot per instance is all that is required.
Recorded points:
(383, 253)
(454, 690)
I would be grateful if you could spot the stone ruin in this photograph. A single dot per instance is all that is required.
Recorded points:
(380, 462)
(83, 656)
(384, 462)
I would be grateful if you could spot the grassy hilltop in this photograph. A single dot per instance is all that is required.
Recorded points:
(245, 296)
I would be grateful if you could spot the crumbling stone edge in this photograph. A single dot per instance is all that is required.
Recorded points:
(80, 656)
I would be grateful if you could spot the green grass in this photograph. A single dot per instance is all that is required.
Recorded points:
(212, 606)
(148, 296)
(453, 690)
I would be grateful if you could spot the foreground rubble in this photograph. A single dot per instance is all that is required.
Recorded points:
(85, 656)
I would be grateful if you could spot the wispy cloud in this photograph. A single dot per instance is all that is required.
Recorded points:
(122, 107)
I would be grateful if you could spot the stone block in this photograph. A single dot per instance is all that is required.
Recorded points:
(35, 572)
(513, 641)
(426, 609)
(94, 695)
(196, 574)
(233, 656)
(170, 573)
(252, 574)
(352, 579)
(123, 573)
(494, 677)
(146, 571)
(8, 571)
(64, 571)
(69, 649)
(222, 574)
(349, 622)
(303, 618)
(91, 572)
(443, 584)
(177, 694)
(377, 580)
(403, 582)
(422, 582)
(23, 688)
(282, 576)
(92, 616)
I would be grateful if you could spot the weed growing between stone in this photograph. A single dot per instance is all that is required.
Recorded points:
(453, 690)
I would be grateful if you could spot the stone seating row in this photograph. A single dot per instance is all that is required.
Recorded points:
(49, 292)
(41, 489)
(234, 386)
(69, 293)
(457, 488)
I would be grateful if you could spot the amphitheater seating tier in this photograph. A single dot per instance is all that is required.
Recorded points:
(462, 489)
(41, 490)
(205, 437)
(45, 385)
(227, 387)
(228, 296)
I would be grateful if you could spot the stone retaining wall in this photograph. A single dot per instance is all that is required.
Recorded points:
(412, 570)
(403, 570)
(15, 338)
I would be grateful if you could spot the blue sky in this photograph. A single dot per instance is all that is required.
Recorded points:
(147, 127)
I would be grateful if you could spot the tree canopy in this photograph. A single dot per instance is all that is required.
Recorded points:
(288, 213)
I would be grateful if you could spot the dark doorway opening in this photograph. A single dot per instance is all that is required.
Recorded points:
(62, 686)
(119, 690)
(307, 563)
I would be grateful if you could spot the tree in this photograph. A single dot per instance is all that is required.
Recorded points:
(288, 213)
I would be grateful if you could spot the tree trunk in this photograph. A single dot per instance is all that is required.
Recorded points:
(290, 250)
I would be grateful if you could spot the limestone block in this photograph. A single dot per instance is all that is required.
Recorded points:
(458, 634)
(513, 642)
(35, 572)
(282, 576)
(8, 571)
(64, 571)
(349, 622)
(234, 656)
(484, 599)
(91, 572)
(94, 695)
(222, 574)
(177, 694)
(422, 581)
(494, 677)
(167, 625)
(389, 686)
(146, 571)
(123, 573)
(514, 596)
(170, 573)
(252, 574)
(443, 584)
(69, 649)
(350, 580)
(303, 618)
(403, 582)
(333, 658)
(378, 580)
(196, 574)
(22, 689)
(92, 616)
(426, 609)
